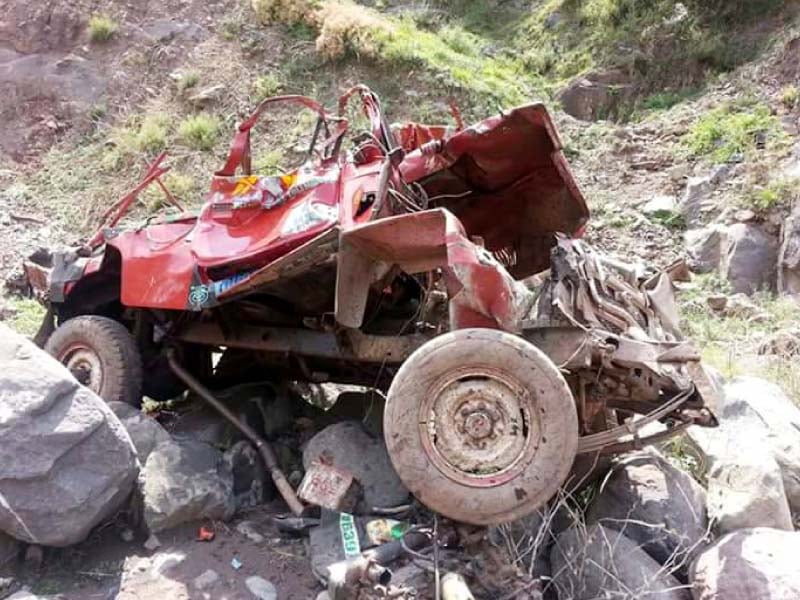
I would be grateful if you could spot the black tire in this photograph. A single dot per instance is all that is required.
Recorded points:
(481, 426)
(102, 355)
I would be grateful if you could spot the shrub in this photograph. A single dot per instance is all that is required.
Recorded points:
(284, 11)
(265, 86)
(777, 193)
(730, 130)
(199, 132)
(152, 134)
(346, 27)
(188, 80)
(101, 28)
(789, 96)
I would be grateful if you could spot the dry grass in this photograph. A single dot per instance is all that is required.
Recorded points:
(283, 11)
(346, 28)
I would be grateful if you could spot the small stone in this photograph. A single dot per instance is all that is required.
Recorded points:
(660, 206)
(152, 543)
(745, 215)
(207, 95)
(261, 588)
(206, 580)
(248, 530)
(679, 172)
(126, 535)
(717, 302)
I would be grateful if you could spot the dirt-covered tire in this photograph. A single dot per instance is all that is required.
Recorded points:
(481, 426)
(102, 355)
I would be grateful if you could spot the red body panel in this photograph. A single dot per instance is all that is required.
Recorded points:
(504, 179)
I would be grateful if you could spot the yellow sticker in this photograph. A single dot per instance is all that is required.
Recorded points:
(245, 184)
(288, 180)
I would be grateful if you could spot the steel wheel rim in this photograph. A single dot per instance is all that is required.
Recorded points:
(478, 426)
(85, 365)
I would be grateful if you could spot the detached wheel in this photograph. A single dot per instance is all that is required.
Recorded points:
(481, 426)
(100, 354)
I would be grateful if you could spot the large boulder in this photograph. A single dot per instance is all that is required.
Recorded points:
(658, 506)
(597, 562)
(66, 462)
(745, 490)
(749, 258)
(348, 445)
(704, 247)
(597, 95)
(759, 411)
(789, 255)
(146, 433)
(185, 481)
(750, 564)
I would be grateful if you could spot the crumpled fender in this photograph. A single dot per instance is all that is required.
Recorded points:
(482, 293)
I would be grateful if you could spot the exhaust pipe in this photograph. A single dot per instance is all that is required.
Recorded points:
(260, 443)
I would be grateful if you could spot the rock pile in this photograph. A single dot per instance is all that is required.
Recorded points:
(652, 530)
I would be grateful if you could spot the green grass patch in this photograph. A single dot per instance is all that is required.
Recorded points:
(734, 129)
(102, 28)
(28, 315)
(199, 132)
(459, 59)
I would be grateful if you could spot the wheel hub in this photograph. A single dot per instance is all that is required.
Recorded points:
(477, 426)
(85, 366)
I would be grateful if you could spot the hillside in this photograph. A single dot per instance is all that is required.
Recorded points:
(660, 97)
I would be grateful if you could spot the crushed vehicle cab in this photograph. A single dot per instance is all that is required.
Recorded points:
(442, 265)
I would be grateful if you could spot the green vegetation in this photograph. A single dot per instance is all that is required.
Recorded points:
(734, 129)
(101, 28)
(199, 132)
(731, 343)
(779, 193)
(667, 99)
(265, 86)
(188, 80)
(28, 315)
(181, 186)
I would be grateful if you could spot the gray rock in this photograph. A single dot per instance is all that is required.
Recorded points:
(186, 481)
(749, 258)
(658, 506)
(760, 411)
(206, 580)
(745, 490)
(207, 96)
(146, 433)
(789, 255)
(751, 564)
(603, 563)
(595, 95)
(660, 206)
(66, 462)
(696, 199)
(349, 446)
(704, 247)
(153, 575)
(165, 30)
(261, 588)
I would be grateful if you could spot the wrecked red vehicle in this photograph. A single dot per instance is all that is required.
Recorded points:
(442, 265)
